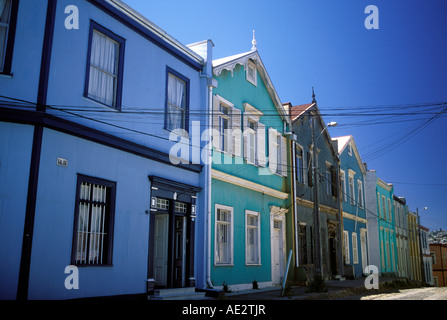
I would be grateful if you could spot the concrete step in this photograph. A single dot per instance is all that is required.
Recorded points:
(177, 294)
(339, 277)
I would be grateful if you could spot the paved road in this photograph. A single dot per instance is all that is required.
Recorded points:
(431, 293)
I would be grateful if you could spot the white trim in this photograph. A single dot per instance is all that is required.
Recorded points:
(231, 210)
(355, 248)
(258, 240)
(248, 184)
(251, 65)
(278, 214)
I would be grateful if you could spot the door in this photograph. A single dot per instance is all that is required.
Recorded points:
(333, 255)
(277, 253)
(179, 251)
(161, 249)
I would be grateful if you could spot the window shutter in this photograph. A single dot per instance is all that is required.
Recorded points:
(260, 135)
(216, 133)
(245, 126)
(284, 167)
(236, 118)
(273, 151)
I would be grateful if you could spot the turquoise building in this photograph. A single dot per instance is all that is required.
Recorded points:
(249, 188)
(381, 224)
(352, 173)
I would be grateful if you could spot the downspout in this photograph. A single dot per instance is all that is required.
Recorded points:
(295, 213)
(208, 166)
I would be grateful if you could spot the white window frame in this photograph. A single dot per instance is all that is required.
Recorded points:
(257, 246)
(361, 199)
(346, 246)
(232, 135)
(355, 249)
(343, 185)
(230, 229)
(351, 190)
(252, 66)
(251, 144)
(253, 115)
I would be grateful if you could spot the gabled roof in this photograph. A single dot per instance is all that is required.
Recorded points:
(229, 63)
(343, 142)
(299, 110)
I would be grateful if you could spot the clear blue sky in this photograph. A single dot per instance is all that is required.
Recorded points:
(324, 44)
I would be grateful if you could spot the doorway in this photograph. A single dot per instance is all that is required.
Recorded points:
(169, 244)
(277, 253)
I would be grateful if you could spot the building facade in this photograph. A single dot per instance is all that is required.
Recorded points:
(427, 263)
(317, 232)
(381, 224)
(97, 99)
(438, 252)
(249, 189)
(352, 171)
(403, 255)
(414, 247)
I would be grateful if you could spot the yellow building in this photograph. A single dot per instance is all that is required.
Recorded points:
(413, 246)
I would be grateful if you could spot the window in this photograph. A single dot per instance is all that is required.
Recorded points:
(351, 190)
(8, 19)
(303, 244)
(350, 149)
(177, 89)
(162, 204)
(180, 207)
(389, 210)
(384, 211)
(93, 224)
(309, 170)
(226, 126)
(251, 141)
(277, 152)
(343, 185)
(252, 248)
(251, 72)
(346, 247)
(328, 180)
(360, 193)
(104, 67)
(299, 165)
(355, 251)
(224, 235)
(331, 180)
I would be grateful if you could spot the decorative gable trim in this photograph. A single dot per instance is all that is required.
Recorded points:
(243, 59)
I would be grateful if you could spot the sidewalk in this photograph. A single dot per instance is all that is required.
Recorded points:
(335, 288)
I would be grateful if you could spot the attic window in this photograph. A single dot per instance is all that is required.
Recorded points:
(349, 149)
(251, 72)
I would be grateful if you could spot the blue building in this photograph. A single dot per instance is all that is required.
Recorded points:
(94, 99)
(352, 172)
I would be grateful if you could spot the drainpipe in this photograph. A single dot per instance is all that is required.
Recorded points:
(208, 166)
(295, 213)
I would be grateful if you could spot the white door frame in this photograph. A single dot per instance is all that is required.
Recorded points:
(278, 214)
